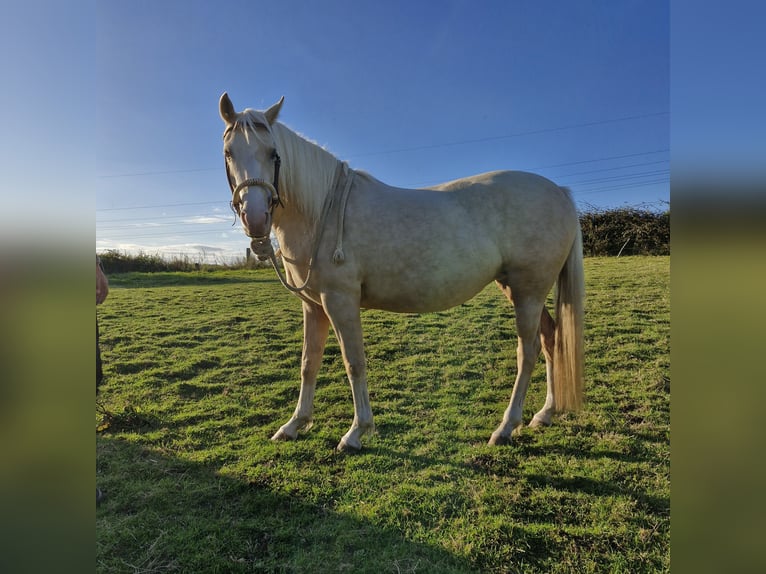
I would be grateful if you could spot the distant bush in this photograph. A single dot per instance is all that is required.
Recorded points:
(114, 261)
(625, 231)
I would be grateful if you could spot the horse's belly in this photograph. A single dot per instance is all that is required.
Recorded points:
(420, 293)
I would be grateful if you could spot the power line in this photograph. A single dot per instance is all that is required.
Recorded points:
(139, 226)
(625, 186)
(615, 168)
(621, 177)
(163, 172)
(577, 192)
(508, 136)
(549, 166)
(173, 233)
(160, 205)
(598, 159)
(419, 148)
(557, 177)
(164, 218)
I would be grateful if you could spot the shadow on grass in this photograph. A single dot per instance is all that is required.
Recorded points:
(162, 513)
(659, 505)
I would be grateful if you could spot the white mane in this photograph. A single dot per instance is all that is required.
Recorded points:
(308, 170)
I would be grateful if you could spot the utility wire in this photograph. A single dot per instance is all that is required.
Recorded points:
(218, 230)
(422, 147)
(159, 205)
(222, 202)
(549, 166)
(508, 136)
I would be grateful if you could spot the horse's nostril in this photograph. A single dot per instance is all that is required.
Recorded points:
(256, 224)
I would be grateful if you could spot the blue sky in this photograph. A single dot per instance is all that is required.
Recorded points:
(415, 92)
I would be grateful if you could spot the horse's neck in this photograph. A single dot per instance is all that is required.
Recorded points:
(295, 232)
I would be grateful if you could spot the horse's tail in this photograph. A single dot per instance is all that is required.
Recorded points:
(570, 314)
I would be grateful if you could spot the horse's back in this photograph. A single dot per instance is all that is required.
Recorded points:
(519, 189)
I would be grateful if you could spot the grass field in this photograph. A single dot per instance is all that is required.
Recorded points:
(202, 368)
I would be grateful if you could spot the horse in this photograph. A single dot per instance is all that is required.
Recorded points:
(349, 242)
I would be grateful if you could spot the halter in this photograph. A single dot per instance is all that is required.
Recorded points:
(273, 189)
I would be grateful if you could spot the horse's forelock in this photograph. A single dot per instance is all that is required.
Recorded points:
(248, 121)
(251, 119)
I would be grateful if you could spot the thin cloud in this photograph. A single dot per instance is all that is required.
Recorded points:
(206, 219)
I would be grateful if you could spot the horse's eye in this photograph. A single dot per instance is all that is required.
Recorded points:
(227, 155)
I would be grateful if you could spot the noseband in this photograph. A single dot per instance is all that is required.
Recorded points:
(273, 189)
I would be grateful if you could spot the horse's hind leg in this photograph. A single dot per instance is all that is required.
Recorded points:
(528, 313)
(316, 327)
(548, 338)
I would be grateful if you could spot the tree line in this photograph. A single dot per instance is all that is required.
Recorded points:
(625, 231)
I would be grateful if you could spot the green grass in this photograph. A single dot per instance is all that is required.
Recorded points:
(202, 368)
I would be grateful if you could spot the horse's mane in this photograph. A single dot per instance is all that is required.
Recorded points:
(308, 170)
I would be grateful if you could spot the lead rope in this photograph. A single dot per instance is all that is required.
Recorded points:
(263, 249)
(338, 256)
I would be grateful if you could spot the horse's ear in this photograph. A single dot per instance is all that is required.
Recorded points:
(272, 113)
(226, 109)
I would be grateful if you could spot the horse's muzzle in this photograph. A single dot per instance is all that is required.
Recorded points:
(257, 222)
(255, 211)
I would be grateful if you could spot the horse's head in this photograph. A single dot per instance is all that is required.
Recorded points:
(252, 165)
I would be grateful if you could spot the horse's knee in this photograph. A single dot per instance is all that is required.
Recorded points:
(355, 369)
(308, 371)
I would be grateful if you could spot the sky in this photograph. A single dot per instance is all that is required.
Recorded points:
(414, 92)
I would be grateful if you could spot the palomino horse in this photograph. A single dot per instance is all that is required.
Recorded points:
(348, 241)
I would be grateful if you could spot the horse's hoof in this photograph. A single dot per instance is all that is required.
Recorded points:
(499, 440)
(346, 448)
(535, 422)
(281, 435)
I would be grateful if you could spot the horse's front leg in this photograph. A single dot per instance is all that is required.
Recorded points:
(343, 311)
(316, 327)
